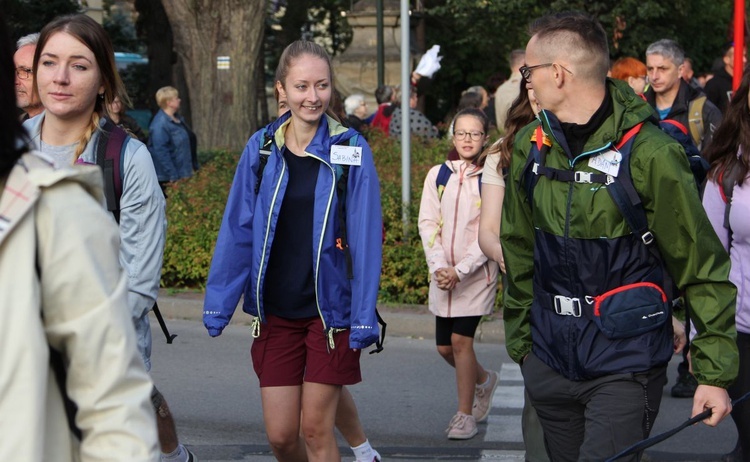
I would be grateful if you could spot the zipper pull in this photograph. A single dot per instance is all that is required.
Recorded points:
(255, 327)
(331, 344)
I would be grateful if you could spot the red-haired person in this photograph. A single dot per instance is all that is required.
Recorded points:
(632, 71)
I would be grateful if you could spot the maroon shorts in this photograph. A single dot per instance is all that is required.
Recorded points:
(290, 351)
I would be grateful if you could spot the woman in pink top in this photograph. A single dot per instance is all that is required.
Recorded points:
(463, 281)
(729, 154)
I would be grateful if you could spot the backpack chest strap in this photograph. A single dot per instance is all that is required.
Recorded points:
(571, 176)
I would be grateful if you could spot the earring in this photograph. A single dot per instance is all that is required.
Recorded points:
(101, 95)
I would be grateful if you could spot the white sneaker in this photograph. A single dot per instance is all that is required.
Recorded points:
(462, 427)
(483, 398)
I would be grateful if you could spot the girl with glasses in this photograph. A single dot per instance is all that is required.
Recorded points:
(463, 282)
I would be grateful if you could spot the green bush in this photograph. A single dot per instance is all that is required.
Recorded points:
(195, 207)
(404, 277)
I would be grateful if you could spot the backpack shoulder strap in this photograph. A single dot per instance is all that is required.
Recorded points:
(342, 180)
(264, 152)
(676, 124)
(540, 144)
(695, 118)
(442, 178)
(727, 179)
(109, 156)
(625, 196)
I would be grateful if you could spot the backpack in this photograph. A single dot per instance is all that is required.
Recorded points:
(727, 179)
(444, 175)
(621, 188)
(109, 154)
(698, 165)
(695, 118)
(627, 200)
(342, 179)
(690, 139)
(110, 150)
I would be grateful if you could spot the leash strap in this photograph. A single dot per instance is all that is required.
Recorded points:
(648, 442)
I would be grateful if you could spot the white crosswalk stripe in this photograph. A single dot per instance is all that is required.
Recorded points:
(504, 422)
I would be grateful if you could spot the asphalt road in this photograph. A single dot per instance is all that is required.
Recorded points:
(405, 402)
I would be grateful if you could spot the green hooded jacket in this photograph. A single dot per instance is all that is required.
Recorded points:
(690, 249)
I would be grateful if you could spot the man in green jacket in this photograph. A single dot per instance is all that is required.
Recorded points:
(585, 308)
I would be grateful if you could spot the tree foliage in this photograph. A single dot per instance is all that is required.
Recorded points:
(319, 20)
(121, 31)
(28, 16)
(476, 36)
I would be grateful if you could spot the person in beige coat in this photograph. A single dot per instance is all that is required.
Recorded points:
(463, 280)
(63, 294)
(62, 290)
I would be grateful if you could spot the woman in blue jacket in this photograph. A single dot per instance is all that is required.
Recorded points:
(301, 238)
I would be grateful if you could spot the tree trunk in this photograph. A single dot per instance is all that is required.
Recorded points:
(224, 110)
(154, 25)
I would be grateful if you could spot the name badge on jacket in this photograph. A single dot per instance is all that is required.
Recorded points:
(607, 162)
(346, 155)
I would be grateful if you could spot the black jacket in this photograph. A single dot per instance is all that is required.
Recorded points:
(719, 89)
(711, 115)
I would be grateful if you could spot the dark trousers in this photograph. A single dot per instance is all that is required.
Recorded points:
(595, 419)
(741, 412)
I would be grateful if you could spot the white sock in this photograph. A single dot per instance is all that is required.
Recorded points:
(364, 452)
(178, 455)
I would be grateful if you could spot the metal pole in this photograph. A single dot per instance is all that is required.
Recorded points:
(381, 45)
(405, 126)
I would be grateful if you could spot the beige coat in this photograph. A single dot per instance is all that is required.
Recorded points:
(449, 229)
(504, 97)
(50, 225)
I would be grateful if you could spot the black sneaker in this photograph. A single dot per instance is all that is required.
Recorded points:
(685, 386)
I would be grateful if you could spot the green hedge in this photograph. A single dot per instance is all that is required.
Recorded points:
(195, 207)
(194, 210)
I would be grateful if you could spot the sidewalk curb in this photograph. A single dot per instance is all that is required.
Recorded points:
(411, 322)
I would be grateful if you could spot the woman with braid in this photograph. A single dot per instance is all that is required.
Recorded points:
(76, 79)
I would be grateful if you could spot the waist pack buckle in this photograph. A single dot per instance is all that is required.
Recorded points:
(567, 306)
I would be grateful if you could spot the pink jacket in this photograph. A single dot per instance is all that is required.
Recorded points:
(449, 229)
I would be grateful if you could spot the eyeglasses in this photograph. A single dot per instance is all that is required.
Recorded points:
(460, 135)
(526, 70)
(23, 73)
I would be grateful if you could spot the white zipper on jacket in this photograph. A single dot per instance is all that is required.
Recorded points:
(256, 325)
(461, 170)
(320, 249)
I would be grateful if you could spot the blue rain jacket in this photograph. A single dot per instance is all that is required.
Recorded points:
(247, 232)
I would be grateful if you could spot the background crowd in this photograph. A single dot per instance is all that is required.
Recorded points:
(72, 102)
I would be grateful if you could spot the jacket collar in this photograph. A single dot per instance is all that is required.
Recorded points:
(456, 165)
(628, 111)
(685, 94)
(329, 132)
(34, 127)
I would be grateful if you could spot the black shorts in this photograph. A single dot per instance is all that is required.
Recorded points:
(445, 327)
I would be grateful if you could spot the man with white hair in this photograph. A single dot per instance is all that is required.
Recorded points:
(674, 99)
(24, 61)
(599, 204)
